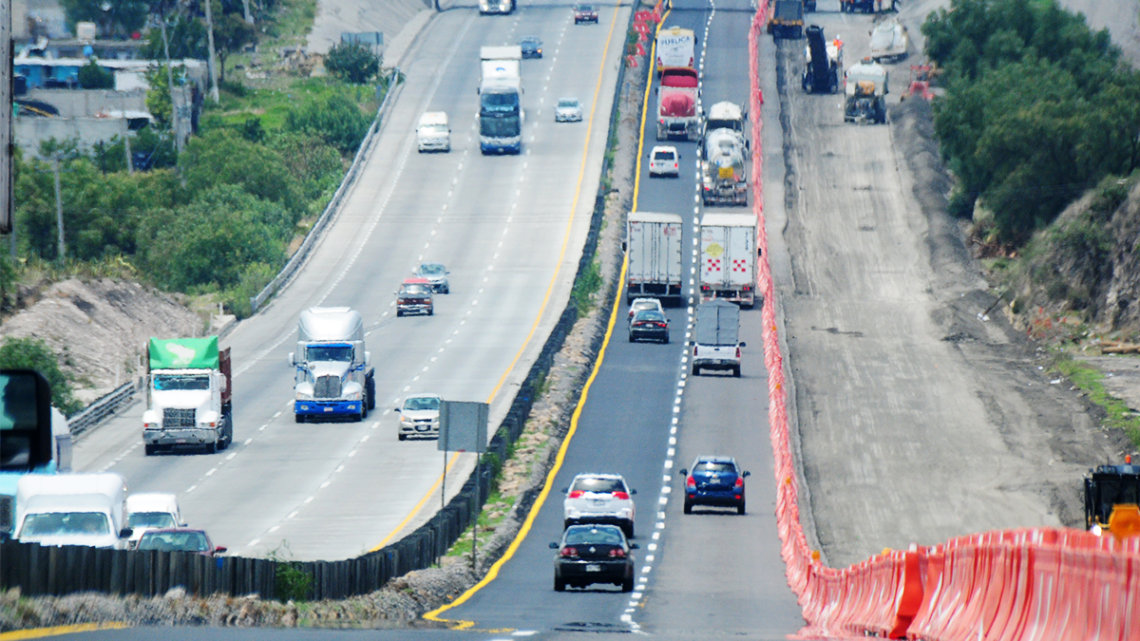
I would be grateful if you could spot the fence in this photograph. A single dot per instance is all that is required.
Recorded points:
(1040, 583)
(102, 408)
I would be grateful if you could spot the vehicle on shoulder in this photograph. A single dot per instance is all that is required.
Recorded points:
(715, 481)
(664, 160)
(419, 416)
(568, 110)
(649, 324)
(531, 47)
(600, 498)
(585, 13)
(591, 554)
(642, 304)
(415, 297)
(151, 510)
(179, 539)
(436, 276)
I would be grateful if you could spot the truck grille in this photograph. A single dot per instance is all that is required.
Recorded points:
(6, 512)
(173, 417)
(327, 387)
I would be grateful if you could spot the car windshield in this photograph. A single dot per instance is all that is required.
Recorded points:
(66, 524)
(586, 7)
(328, 353)
(533, 42)
(172, 382)
(650, 315)
(432, 269)
(151, 520)
(586, 535)
(639, 305)
(433, 129)
(598, 485)
(663, 155)
(174, 541)
(421, 403)
(413, 290)
(500, 127)
(568, 103)
(719, 467)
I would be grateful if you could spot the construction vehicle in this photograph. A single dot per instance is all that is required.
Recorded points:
(851, 6)
(334, 375)
(677, 97)
(919, 85)
(866, 90)
(824, 62)
(787, 20)
(189, 400)
(1108, 489)
(654, 244)
(890, 41)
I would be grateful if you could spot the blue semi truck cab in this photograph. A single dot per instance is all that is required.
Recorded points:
(334, 378)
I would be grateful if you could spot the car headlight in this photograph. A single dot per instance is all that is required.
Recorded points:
(405, 419)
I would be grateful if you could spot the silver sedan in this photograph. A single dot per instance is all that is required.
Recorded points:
(568, 110)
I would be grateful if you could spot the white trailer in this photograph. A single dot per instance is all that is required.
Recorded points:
(728, 258)
(654, 245)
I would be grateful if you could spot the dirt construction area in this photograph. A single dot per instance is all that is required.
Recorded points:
(919, 421)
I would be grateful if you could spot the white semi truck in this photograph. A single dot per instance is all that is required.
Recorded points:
(189, 395)
(728, 258)
(334, 378)
(653, 241)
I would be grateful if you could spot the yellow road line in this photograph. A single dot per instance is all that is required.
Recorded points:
(39, 633)
(553, 279)
(538, 502)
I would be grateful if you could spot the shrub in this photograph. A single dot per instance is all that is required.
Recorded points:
(337, 120)
(222, 157)
(92, 76)
(33, 353)
(352, 62)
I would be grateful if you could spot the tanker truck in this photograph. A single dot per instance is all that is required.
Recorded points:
(334, 378)
(724, 176)
(189, 395)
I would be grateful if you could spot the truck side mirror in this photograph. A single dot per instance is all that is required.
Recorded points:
(367, 359)
(126, 533)
(742, 345)
(25, 401)
(220, 550)
(289, 360)
(397, 410)
(683, 471)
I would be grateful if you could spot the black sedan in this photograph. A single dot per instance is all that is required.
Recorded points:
(531, 47)
(649, 323)
(590, 554)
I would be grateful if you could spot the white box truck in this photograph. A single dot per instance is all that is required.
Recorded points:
(72, 509)
(728, 258)
(334, 378)
(716, 342)
(433, 133)
(653, 241)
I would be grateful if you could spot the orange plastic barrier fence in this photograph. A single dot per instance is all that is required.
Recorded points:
(1033, 584)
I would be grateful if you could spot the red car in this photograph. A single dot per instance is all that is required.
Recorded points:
(179, 539)
(585, 13)
(415, 297)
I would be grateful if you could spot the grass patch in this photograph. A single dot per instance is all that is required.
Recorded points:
(1089, 379)
(494, 511)
(585, 288)
(271, 105)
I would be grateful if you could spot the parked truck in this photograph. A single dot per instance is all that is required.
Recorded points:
(823, 62)
(728, 258)
(787, 20)
(334, 378)
(500, 100)
(676, 47)
(72, 509)
(866, 91)
(189, 395)
(716, 344)
(724, 175)
(653, 241)
(677, 104)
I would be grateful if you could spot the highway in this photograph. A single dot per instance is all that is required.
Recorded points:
(509, 228)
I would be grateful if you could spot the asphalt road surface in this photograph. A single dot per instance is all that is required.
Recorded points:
(509, 228)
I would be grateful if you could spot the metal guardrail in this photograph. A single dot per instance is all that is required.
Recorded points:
(329, 213)
(101, 409)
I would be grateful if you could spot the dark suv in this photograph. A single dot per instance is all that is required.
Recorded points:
(716, 481)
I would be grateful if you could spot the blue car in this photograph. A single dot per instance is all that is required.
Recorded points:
(715, 481)
(531, 47)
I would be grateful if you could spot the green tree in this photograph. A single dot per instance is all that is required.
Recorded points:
(122, 17)
(92, 76)
(231, 34)
(223, 157)
(352, 62)
(185, 34)
(314, 165)
(34, 354)
(338, 120)
(158, 97)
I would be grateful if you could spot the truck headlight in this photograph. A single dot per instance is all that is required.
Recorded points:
(353, 396)
(304, 397)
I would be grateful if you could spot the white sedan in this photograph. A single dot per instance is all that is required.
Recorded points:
(568, 110)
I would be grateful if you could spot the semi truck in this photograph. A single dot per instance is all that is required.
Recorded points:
(676, 47)
(500, 100)
(728, 258)
(189, 395)
(724, 154)
(823, 62)
(653, 241)
(866, 91)
(334, 378)
(677, 104)
(725, 115)
(72, 509)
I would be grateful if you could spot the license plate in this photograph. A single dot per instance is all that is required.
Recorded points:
(597, 502)
(328, 409)
(593, 567)
(179, 440)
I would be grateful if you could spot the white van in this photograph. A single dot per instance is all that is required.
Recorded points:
(433, 132)
(151, 510)
(72, 509)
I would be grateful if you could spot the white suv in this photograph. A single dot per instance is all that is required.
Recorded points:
(664, 160)
(600, 498)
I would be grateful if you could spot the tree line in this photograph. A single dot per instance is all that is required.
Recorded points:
(1038, 109)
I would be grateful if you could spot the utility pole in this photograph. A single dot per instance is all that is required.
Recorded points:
(170, 83)
(248, 15)
(213, 59)
(62, 249)
(7, 159)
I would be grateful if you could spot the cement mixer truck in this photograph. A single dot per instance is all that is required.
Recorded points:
(677, 104)
(866, 91)
(724, 152)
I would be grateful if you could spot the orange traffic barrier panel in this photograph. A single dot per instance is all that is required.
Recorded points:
(910, 595)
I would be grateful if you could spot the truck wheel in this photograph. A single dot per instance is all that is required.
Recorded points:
(696, 371)
(736, 371)
(300, 418)
(212, 448)
(371, 389)
(150, 449)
